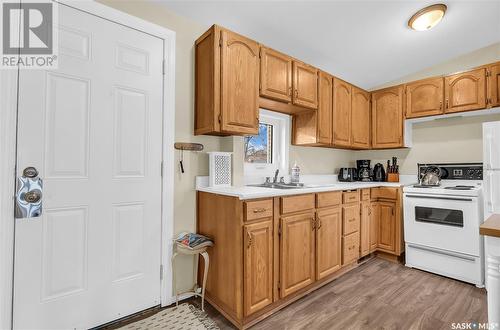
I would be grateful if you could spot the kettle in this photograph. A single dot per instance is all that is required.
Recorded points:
(378, 173)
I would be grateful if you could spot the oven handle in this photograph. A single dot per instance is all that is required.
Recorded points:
(451, 254)
(437, 197)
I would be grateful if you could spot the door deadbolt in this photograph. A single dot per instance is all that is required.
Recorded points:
(30, 172)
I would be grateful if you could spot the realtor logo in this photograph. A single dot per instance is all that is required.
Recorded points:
(28, 34)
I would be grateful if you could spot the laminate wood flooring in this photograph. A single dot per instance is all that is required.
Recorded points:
(379, 295)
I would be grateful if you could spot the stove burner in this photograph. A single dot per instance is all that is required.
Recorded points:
(460, 188)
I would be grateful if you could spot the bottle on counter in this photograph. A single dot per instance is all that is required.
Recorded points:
(295, 177)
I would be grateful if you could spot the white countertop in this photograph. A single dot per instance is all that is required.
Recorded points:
(246, 192)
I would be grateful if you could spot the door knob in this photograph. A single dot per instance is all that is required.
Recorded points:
(29, 194)
(33, 196)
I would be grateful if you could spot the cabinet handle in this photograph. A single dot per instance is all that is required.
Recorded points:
(296, 93)
(249, 240)
(447, 103)
(259, 210)
(289, 91)
(392, 210)
(440, 105)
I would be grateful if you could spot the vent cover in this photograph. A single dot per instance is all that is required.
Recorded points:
(220, 169)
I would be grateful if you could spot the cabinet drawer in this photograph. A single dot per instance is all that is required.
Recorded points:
(258, 209)
(365, 194)
(350, 249)
(350, 196)
(350, 218)
(297, 203)
(332, 198)
(384, 193)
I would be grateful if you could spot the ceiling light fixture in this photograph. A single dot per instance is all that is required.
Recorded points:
(427, 18)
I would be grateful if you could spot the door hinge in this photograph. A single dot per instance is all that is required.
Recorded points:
(279, 286)
(219, 118)
(161, 168)
(220, 41)
(488, 73)
(488, 101)
(161, 272)
(164, 67)
(279, 230)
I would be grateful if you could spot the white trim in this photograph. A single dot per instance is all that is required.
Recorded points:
(8, 125)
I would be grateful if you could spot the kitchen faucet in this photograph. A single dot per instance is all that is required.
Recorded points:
(276, 176)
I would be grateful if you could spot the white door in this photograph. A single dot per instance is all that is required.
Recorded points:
(93, 130)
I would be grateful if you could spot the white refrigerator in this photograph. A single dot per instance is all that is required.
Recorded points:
(491, 190)
(491, 163)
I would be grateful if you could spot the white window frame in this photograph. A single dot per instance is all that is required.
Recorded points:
(281, 146)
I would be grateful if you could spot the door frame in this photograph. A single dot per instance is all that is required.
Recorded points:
(8, 150)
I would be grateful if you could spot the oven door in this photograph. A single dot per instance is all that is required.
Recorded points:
(443, 222)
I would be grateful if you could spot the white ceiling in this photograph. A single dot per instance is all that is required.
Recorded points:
(364, 42)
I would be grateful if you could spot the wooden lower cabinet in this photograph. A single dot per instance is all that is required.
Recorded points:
(297, 252)
(365, 229)
(386, 215)
(270, 252)
(258, 266)
(328, 241)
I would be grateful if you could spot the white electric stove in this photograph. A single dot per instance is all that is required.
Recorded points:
(441, 224)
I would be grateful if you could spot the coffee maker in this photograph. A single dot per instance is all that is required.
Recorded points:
(364, 170)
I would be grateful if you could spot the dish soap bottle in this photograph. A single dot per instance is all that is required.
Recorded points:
(295, 173)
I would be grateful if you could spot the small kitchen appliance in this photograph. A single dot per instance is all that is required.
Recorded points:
(378, 173)
(220, 169)
(441, 221)
(364, 170)
(348, 174)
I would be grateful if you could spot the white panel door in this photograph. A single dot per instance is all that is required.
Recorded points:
(491, 145)
(93, 129)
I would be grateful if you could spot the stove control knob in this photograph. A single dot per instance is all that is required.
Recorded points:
(470, 173)
(478, 174)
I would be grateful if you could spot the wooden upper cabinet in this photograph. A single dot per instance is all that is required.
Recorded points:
(305, 85)
(465, 91)
(328, 241)
(297, 252)
(258, 266)
(494, 85)
(275, 75)
(226, 83)
(386, 213)
(341, 113)
(425, 98)
(240, 84)
(360, 126)
(325, 107)
(387, 118)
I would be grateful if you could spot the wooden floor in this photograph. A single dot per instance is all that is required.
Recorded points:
(379, 295)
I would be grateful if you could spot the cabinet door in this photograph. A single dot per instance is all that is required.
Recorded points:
(365, 230)
(258, 267)
(328, 242)
(425, 98)
(325, 108)
(494, 85)
(240, 84)
(387, 118)
(465, 91)
(360, 127)
(305, 85)
(387, 226)
(297, 252)
(341, 113)
(275, 75)
(373, 226)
